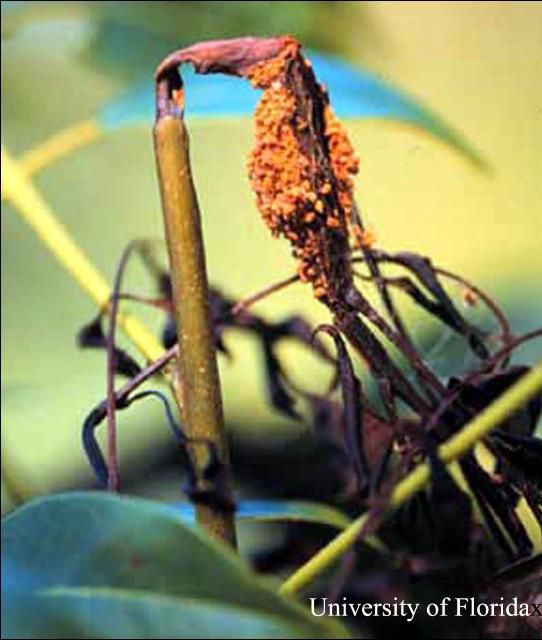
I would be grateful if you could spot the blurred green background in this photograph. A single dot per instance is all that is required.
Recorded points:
(476, 64)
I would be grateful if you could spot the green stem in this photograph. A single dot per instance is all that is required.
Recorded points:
(455, 447)
(198, 388)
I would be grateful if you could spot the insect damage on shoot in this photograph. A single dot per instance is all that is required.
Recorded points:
(302, 170)
(302, 167)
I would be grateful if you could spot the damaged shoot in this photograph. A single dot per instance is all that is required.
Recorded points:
(302, 169)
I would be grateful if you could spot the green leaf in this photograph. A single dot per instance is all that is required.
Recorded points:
(115, 613)
(115, 566)
(279, 510)
(123, 37)
(354, 93)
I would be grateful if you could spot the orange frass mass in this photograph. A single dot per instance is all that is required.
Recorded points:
(302, 164)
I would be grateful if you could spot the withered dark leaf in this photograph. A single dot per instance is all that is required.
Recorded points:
(298, 328)
(169, 332)
(451, 511)
(378, 437)
(269, 335)
(445, 309)
(125, 365)
(279, 395)
(498, 504)
(524, 453)
(486, 388)
(352, 395)
(432, 306)
(92, 336)
(98, 414)
(478, 390)
(386, 372)
(91, 446)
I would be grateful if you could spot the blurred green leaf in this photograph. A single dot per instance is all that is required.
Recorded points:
(125, 38)
(132, 39)
(122, 567)
(279, 510)
(354, 93)
(115, 613)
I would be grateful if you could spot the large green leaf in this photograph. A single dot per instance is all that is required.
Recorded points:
(354, 93)
(115, 613)
(279, 511)
(123, 567)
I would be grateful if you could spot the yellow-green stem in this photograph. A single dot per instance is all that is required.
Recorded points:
(457, 446)
(198, 388)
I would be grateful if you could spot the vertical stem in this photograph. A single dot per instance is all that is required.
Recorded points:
(198, 392)
(111, 402)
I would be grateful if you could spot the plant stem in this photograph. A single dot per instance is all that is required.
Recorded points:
(198, 391)
(112, 463)
(455, 447)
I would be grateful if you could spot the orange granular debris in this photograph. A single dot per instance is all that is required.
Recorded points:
(177, 95)
(469, 297)
(325, 188)
(343, 158)
(364, 237)
(294, 201)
